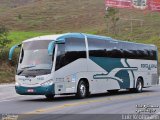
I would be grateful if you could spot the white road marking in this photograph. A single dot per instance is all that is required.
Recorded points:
(8, 99)
(7, 85)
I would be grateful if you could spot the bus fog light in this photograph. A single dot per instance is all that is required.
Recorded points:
(17, 84)
(47, 83)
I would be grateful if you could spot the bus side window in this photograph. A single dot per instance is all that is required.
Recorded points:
(22, 55)
(53, 54)
(97, 47)
(75, 48)
(60, 58)
(153, 53)
(114, 49)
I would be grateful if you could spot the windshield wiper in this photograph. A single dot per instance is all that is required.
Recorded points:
(20, 72)
(29, 66)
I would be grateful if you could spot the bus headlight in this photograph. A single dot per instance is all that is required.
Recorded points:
(47, 83)
(17, 84)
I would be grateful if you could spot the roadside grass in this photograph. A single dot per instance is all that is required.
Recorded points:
(6, 77)
(7, 73)
(18, 36)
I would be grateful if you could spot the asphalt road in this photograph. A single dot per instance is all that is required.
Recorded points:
(122, 103)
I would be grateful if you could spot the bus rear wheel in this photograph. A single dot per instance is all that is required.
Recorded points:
(81, 90)
(50, 96)
(139, 86)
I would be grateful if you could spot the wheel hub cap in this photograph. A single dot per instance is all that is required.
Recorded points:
(83, 90)
(139, 86)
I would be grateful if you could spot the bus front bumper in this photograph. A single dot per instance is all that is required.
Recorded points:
(40, 90)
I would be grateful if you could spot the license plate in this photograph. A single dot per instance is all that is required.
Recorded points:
(30, 90)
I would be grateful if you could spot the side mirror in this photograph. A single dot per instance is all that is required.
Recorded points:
(60, 41)
(51, 47)
(12, 51)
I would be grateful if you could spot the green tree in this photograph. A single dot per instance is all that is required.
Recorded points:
(112, 18)
(4, 41)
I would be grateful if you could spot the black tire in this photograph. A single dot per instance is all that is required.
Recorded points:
(82, 90)
(139, 86)
(50, 97)
(113, 91)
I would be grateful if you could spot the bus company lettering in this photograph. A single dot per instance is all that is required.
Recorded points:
(29, 79)
(148, 66)
(25, 79)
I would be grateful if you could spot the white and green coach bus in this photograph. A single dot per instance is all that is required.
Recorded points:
(83, 64)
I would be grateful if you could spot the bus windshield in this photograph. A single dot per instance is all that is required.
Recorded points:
(34, 59)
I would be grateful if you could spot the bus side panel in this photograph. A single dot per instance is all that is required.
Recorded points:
(66, 78)
(147, 69)
(98, 76)
(101, 80)
(120, 73)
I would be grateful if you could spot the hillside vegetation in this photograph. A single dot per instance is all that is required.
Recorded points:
(30, 18)
(58, 16)
(55, 15)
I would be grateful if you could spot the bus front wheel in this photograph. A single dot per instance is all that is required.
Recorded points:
(81, 89)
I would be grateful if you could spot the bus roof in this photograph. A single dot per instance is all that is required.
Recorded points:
(59, 36)
(79, 35)
(45, 37)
